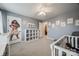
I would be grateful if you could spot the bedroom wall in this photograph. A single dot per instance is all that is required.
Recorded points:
(59, 31)
(25, 20)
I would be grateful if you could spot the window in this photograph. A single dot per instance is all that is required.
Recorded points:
(1, 24)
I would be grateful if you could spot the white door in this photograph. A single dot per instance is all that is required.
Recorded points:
(13, 38)
(42, 28)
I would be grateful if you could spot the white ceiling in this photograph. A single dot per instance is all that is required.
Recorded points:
(31, 9)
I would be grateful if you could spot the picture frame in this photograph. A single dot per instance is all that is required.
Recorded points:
(77, 22)
(53, 25)
(49, 23)
(63, 24)
(58, 22)
(70, 21)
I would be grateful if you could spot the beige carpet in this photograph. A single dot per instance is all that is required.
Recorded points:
(40, 47)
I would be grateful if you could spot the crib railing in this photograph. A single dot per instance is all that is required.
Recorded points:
(73, 41)
(60, 51)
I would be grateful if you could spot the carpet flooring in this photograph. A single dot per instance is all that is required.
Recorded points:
(40, 47)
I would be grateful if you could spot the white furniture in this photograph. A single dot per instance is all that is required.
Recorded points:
(59, 51)
(3, 42)
(74, 41)
(59, 47)
(32, 34)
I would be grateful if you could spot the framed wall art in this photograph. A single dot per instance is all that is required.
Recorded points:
(77, 22)
(70, 21)
(49, 23)
(57, 22)
(63, 24)
(53, 25)
(14, 24)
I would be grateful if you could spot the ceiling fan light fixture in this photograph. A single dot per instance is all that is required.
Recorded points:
(42, 13)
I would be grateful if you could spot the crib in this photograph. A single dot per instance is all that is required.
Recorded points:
(59, 47)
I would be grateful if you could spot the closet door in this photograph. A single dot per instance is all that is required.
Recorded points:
(14, 38)
(1, 23)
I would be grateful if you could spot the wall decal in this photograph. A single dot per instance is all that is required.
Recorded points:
(14, 28)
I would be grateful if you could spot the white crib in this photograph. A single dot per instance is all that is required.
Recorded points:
(58, 48)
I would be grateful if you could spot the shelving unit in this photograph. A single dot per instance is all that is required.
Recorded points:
(32, 34)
